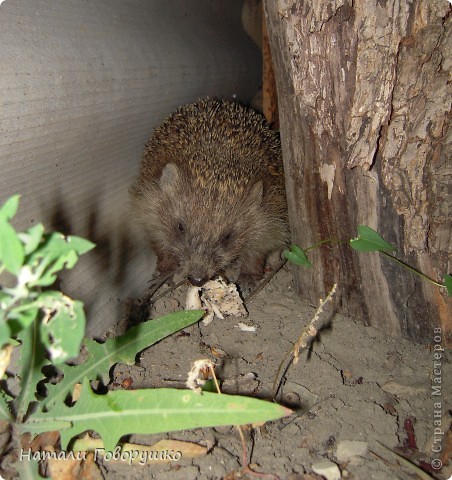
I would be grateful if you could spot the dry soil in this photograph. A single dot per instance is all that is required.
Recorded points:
(354, 384)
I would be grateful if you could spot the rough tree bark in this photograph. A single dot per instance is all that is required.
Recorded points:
(364, 103)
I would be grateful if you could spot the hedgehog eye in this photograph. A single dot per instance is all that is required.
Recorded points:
(226, 238)
(181, 227)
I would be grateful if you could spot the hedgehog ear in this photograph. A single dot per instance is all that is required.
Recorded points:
(169, 177)
(257, 192)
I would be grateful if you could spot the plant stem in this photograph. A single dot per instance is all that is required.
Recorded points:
(414, 270)
(329, 240)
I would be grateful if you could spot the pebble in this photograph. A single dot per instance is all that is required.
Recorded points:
(351, 450)
(405, 390)
(327, 469)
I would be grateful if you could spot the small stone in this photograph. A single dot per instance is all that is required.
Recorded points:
(307, 398)
(327, 469)
(351, 450)
(405, 390)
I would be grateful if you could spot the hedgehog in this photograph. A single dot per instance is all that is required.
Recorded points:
(210, 192)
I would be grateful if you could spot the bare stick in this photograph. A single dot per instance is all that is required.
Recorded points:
(168, 290)
(311, 331)
(304, 340)
(264, 282)
(156, 284)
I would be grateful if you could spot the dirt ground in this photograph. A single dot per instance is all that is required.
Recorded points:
(355, 384)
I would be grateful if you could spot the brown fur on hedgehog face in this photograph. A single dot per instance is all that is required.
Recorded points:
(204, 194)
(205, 230)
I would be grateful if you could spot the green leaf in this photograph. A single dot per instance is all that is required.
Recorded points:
(62, 327)
(37, 427)
(150, 411)
(5, 413)
(5, 332)
(101, 356)
(32, 359)
(448, 282)
(297, 256)
(9, 208)
(55, 253)
(11, 249)
(79, 244)
(28, 470)
(21, 317)
(32, 237)
(369, 240)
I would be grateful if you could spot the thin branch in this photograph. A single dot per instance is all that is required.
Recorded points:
(307, 336)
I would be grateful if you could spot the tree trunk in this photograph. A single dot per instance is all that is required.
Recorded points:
(364, 105)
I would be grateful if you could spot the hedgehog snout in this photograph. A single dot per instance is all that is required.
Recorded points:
(197, 281)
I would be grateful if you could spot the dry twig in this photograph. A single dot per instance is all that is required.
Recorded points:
(304, 340)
